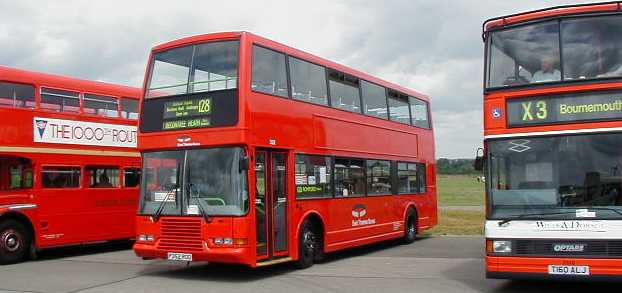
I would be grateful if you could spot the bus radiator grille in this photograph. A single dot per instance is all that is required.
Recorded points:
(181, 234)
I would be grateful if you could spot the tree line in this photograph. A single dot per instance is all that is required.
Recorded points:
(455, 166)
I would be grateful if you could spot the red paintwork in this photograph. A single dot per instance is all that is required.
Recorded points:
(492, 126)
(298, 127)
(77, 215)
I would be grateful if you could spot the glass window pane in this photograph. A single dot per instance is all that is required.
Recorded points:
(215, 66)
(17, 95)
(398, 108)
(61, 177)
(101, 105)
(161, 185)
(269, 72)
(103, 177)
(419, 112)
(129, 108)
(308, 82)
(344, 92)
(170, 72)
(407, 178)
(349, 177)
(526, 54)
(313, 176)
(374, 100)
(378, 177)
(591, 47)
(132, 177)
(59, 100)
(421, 177)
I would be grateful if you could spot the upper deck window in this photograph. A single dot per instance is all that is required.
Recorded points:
(197, 68)
(374, 100)
(269, 72)
(60, 100)
(101, 105)
(17, 95)
(527, 54)
(129, 108)
(308, 81)
(419, 112)
(398, 107)
(344, 91)
(592, 47)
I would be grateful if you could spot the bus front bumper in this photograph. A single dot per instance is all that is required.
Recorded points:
(235, 255)
(511, 267)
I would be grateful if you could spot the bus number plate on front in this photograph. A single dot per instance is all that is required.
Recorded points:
(569, 270)
(176, 256)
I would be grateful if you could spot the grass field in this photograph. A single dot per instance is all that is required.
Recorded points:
(461, 210)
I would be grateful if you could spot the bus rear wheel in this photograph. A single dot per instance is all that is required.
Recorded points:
(410, 228)
(14, 242)
(307, 245)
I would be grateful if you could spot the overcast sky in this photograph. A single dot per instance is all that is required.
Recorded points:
(433, 46)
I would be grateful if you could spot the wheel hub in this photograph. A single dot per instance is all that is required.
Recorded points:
(11, 241)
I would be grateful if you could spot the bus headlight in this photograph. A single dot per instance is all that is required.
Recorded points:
(502, 246)
(146, 238)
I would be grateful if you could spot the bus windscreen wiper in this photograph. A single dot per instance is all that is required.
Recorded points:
(158, 213)
(521, 216)
(202, 209)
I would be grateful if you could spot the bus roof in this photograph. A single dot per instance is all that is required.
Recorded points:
(290, 51)
(67, 83)
(544, 13)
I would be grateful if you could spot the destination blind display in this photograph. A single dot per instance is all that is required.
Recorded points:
(564, 109)
(187, 113)
(190, 111)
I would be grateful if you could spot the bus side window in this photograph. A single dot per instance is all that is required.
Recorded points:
(103, 177)
(101, 105)
(129, 108)
(17, 95)
(131, 177)
(60, 177)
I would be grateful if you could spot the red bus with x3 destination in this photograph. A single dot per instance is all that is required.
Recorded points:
(553, 135)
(69, 164)
(257, 153)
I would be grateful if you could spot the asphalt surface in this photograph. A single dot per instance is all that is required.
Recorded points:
(441, 264)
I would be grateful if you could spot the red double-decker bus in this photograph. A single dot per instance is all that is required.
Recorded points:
(257, 153)
(69, 164)
(553, 133)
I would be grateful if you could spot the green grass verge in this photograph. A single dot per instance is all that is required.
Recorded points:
(461, 201)
(455, 221)
(459, 190)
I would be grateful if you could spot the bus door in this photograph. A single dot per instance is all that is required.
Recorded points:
(271, 203)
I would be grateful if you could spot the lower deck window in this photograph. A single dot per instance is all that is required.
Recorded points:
(349, 177)
(103, 177)
(313, 176)
(61, 177)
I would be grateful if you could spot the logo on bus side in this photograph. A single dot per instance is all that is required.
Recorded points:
(50, 130)
(497, 113)
(358, 212)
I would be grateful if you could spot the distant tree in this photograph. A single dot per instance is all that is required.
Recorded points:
(455, 166)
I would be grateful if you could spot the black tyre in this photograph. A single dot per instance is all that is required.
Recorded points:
(410, 227)
(307, 245)
(15, 241)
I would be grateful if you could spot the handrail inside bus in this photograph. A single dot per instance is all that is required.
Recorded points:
(504, 18)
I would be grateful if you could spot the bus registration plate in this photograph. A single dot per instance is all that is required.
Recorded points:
(176, 256)
(569, 270)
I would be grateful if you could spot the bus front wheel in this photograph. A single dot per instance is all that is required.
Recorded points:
(14, 241)
(307, 245)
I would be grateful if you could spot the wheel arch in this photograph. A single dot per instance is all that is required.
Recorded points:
(24, 219)
(318, 219)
